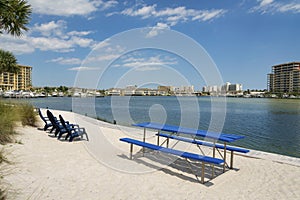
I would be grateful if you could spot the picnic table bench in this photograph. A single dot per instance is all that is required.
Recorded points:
(186, 155)
(232, 149)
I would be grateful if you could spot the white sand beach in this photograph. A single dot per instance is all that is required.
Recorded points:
(47, 168)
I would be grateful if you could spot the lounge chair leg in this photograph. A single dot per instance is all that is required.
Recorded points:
(52, 129)
(56, 132)
(67, 136)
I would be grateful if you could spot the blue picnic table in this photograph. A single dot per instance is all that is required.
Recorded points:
(194, 134)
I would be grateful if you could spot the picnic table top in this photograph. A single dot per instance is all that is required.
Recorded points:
(201, 133)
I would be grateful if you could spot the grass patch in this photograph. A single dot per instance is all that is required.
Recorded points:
(18, 142)
(10, 114)
(8, 119)
(3, 194)
(27, 115)
(3, 159)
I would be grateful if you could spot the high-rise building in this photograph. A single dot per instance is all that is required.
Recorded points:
(226, 88)
(285, 78)
(17, 81)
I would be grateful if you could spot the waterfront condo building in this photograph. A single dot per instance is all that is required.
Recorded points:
(17, 81)
(227, 88)
(285, 78)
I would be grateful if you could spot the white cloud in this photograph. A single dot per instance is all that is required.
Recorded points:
(81, 42)
(105, 51)
(148, 68)
(208, 15)
(294, 7)
(105, 57)
(52, 44)
(266, 2)
(70, 7)
(103, 44)
(144, 12)
(51, 36)
(16, 45)
(146, 63)
(157, 29)
(79, 33)
(66, 61)
(272, 6)
(83, 68)
(172, 16)
(51, 28)
(113, 49)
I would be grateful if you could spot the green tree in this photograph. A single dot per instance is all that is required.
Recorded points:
(8, 62)
(63, 89)
(14, 16)
(47, 89)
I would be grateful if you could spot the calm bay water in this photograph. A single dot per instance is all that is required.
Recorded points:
(271, 125)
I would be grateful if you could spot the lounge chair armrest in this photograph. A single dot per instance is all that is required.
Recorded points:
(82, 130)
(75, 125)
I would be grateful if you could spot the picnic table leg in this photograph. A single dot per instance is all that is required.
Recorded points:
(158, 139)
(202, 172)
(231, 160)
(224, 157)
(214, 155)
(167, 142)
(214, 149)
(131, 149)
(144, 139)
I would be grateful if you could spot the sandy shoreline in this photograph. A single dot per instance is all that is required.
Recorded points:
(46, 168)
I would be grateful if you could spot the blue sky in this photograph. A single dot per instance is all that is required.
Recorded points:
(243, 38)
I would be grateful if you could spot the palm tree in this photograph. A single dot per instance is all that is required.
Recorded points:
(8, 62)
(14, 16)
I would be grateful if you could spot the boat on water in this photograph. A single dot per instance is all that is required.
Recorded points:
(17, 94)
(54, 94)
(8, 94)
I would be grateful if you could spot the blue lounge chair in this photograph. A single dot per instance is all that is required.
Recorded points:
(57, 126)
(73, 131)
(48, 123)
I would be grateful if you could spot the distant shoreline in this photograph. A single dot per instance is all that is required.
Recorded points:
(91, 96)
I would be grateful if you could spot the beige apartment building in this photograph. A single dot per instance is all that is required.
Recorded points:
(285, 78)
(17, 81)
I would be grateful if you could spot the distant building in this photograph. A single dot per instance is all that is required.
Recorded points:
(114, 92)
(226, 88)
(17, 81)
(165, 88)
(233, 88)
(285, 78)
(183, 90)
